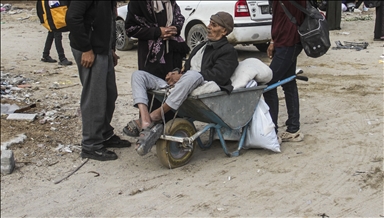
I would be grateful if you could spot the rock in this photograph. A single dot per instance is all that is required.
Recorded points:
(19, 139)
(7, 162)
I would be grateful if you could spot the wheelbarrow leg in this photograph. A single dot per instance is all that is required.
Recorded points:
(224, 145)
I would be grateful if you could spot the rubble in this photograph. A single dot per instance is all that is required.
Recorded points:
(7, 162)
(19, 139)
(22, 116)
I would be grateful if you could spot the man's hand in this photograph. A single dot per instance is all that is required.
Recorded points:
(168, 32)
(87, 59)
(115, 57)
(172, 78)
(271, 50)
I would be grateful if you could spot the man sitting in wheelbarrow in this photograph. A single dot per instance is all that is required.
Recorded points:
(212, 60)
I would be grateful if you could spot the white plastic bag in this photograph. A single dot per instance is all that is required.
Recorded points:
(261, 131)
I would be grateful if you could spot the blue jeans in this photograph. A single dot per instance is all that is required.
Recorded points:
(283, 65)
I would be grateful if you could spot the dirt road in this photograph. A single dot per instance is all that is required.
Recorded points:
(337, 171)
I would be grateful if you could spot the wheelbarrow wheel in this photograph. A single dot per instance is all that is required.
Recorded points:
(172, 154)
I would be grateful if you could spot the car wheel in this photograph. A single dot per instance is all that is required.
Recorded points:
(123, 42)
(263, 47)
(197, 34)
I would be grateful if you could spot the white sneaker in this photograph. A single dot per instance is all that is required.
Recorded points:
(292, 137)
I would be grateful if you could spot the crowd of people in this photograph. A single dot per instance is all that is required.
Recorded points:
(157, 25)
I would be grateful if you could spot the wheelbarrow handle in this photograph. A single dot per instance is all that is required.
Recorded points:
(284, 81)
(304, 78)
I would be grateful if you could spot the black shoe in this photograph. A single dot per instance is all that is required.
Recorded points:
(116, 142)
(65, 62)
(102, 154)
(48, 59)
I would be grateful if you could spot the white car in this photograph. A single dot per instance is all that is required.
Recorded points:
(252, 22)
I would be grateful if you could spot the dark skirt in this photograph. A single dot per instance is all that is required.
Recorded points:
(379, 22)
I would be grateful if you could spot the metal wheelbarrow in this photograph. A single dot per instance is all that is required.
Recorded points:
(219, 110)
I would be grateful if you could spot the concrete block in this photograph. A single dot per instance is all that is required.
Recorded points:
(7, 162)
(20, 116)
(19, 139)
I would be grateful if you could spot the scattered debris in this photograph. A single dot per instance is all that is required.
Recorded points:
(57, 86)
(24, 86)
(24, 18)
(323, 215)
(8, 108)
(351, 45)
(367, 17)
(22, 116)
(5, 7)
(51, 164)
(97, 174)
(7, 162)
(19, 139)
(67, 149)
(57, 182)
(25, 108)
(134, 192)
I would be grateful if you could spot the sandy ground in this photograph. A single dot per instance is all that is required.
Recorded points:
(337, 171)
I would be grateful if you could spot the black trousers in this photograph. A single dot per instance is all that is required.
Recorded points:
(379, 22)
(283, 65)
(57, 36)
(334, 14)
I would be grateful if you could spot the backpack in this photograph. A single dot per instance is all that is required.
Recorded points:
(52, 14)
(314, 31)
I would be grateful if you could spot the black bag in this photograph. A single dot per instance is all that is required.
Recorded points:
(314, 31)
(52, 14)
(372, 4)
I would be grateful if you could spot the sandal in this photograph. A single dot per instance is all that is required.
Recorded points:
(148, 138)
(132, 129)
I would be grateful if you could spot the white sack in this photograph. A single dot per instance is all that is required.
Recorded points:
(248, 69)
(261, 131)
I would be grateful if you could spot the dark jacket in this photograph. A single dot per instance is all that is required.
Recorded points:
(144, 24)
(284, 32)
(92, 25)
(219, 63)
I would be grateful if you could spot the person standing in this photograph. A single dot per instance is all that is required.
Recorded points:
(57, 36)
(333, 14)
(379, 22)
(284, 48)
(157, 25)
(92, 39)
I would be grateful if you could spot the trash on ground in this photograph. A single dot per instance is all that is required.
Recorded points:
(351, 45)
(25, 108)
(8, 108)
(5, 7)
(22, 116)
(18, 139)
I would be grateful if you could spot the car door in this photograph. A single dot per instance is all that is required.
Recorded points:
(187, 8)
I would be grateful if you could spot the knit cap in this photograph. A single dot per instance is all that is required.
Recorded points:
(224, 19)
